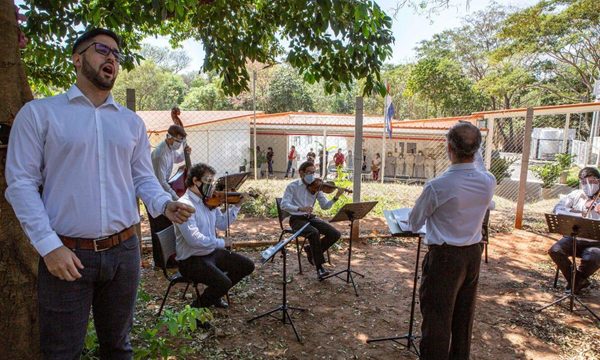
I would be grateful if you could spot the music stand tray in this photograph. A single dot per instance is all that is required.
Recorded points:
(233, 181)
(284, 308)
(410, 338)
(574, 227)
(351, 212)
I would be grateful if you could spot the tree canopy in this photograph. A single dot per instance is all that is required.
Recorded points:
(332, 41)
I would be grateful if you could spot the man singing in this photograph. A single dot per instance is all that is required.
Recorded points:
(585, 202)
(453, 205)
(90, 156)
(299, 202)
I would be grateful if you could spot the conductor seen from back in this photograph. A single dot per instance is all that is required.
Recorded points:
(299, 202)
(454, 205)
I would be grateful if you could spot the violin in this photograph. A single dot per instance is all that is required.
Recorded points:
(325, 186)
(221, 197)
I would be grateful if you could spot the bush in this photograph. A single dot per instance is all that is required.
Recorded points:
(499, 167)
(548, 173)
(564, 160)
(573, 177)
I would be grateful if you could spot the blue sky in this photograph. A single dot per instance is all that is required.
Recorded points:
(409, 27)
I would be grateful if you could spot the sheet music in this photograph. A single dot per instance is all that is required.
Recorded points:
(401, 216)
(568, 212)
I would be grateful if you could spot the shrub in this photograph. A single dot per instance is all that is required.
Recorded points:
(499, 167)
(548, 173)
(564, 160)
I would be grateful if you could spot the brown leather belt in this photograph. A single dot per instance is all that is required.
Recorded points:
(99, 244)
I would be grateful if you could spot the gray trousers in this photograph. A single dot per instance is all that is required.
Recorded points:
(587, 250)
(447, 295)
(108, 286)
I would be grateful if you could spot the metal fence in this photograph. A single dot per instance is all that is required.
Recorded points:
(522, 155)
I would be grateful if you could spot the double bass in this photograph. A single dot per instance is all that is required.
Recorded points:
(177, 181)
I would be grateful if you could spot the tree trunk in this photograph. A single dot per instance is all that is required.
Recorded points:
(18, 259)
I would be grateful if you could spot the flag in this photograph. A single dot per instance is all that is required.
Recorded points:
(388, 112)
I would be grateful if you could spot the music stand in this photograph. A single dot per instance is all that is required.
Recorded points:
(231, 182)
(410, 338)
(573, 226)
(284, 308)
(351, 212)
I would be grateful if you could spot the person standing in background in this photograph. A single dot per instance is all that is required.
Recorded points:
(270, 155)
(291, 157)
(375, 165)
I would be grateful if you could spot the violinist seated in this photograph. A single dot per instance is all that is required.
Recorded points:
(202, 256)
(582, 202)
(299, 201)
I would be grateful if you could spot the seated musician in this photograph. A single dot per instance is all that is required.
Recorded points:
(202, 256)
(299, 202)
(584, 201)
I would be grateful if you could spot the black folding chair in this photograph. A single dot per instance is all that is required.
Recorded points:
(281, 216)
(166, 239)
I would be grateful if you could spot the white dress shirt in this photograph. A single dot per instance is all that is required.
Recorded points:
(574, 203)
(163, 158)
(296, 195)
(91, 162)
(197, 236)
(454, 204)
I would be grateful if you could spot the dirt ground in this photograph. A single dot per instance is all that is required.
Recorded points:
(336, 325)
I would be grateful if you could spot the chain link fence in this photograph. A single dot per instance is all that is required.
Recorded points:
(559, 145)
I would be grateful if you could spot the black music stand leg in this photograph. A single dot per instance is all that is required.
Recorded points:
(284, 308)
(348, 271)
(571, 295)
(410, 338)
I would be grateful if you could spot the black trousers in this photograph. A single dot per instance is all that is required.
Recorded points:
(447, 296)
(219, 271)
(587, 250)
(313, 233)
(156, 225)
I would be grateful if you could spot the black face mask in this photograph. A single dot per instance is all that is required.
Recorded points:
(206, 190)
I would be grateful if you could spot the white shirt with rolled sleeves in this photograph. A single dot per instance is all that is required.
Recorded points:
(163, 159)
(454, 204)
(197, 236)
(574, 204)
(91, 162)
(296, 195)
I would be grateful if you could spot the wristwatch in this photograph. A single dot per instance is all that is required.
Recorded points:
(164, 209)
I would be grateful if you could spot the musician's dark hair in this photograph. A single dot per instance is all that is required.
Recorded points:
(197, 171)
(176, 130)
(464, 139)
(305, 165)
(589, 171)
(92, 33)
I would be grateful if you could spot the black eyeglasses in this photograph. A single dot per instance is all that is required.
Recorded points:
(104, 50)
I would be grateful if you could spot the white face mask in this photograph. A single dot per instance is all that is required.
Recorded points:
(176, 145)
(590, 189)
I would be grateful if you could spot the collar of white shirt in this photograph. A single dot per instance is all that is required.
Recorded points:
(74, 93)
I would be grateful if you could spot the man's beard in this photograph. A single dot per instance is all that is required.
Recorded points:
(94, 76)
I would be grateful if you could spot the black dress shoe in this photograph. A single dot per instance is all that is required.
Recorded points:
(309, 254)
(222, 304)
(321, 273)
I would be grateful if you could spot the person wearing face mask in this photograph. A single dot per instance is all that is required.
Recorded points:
(202, 256)
(299, 202)
(583, 201)
(166, 154)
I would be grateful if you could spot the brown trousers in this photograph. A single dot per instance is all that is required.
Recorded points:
(447, 295)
